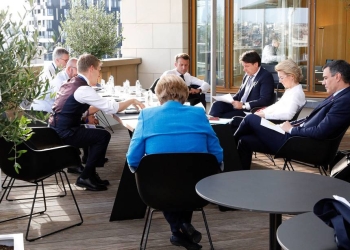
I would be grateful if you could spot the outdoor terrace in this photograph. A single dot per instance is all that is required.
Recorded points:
(229, 230)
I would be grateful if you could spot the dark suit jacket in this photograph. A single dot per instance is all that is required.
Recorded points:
(262, 94)
(328, 119)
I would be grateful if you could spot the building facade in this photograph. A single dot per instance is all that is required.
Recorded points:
(47, 15)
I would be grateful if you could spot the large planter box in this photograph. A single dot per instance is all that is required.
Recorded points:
(14, 240)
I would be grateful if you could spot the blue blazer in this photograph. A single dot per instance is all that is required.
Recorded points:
(172, 128)
(262, 94)
(328, 119)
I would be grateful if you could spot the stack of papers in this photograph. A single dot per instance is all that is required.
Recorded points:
(224, 98)
(272, 126)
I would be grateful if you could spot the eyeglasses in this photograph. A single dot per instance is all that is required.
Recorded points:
(66, 60)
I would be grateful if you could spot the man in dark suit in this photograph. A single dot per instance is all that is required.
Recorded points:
(257, 89)
(326, 121)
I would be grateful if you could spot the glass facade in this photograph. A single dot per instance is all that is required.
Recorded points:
(309, 32)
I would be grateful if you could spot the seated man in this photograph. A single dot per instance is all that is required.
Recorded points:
(197, 87)
(75, 97)
(169, 137)
(257, 89)
(326, 121)
(60, 57)
(269, 53)
(46, 103)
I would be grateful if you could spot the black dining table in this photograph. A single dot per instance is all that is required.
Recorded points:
(275, 192)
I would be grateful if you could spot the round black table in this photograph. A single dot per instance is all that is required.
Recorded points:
(271, 191)
(306, 232)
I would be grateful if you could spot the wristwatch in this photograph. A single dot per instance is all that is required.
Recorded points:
(243, 106)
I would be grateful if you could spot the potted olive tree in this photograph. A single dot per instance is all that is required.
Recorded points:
(90, 29)
(18, 81)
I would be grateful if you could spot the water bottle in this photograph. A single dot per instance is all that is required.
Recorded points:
(111, 85)
(103, 84)
(138, 88)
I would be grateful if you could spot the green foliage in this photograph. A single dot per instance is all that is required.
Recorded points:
(18, 81)
(91, 29)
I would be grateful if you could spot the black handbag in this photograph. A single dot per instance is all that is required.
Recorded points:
(335, 214)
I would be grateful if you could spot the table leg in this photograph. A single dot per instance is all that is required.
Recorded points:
(127, 204)
(275, 221)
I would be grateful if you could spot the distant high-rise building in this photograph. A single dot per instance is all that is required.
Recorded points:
(47, 15)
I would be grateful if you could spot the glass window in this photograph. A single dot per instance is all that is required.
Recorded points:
(49, 12)
(332, 37)
(203, 47)
(49, 24)
(277, 30)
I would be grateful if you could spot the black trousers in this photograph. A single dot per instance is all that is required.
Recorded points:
(225, 110)
(96, 140)
(176, 219)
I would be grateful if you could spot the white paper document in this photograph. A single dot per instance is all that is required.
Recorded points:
(199, 105)
(271, 125)
(224, 98)
(220, 121)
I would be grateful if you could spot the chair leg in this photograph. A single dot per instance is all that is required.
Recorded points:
(207, 228)
(22, 216)
(322, 170)
(271, 159)
(105, 121)
(288, 164)
(51, 196)
(146, 228)
(44, 198)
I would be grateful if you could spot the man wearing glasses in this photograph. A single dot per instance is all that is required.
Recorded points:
(60, 57)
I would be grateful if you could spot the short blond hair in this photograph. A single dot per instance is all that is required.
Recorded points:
(289, 67)
(85, 61)
(171, 87)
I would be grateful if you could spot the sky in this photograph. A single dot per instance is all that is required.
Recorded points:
(15, 6)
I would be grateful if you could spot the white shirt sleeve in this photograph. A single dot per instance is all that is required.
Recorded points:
(204, 86)
(88, 95)
(287, 106)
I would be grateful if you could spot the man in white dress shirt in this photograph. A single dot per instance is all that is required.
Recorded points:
(55, 84)
(197, 87)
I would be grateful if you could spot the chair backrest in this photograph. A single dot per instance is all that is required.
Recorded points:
(36, 164)
(167, 181)
(309, 150)
(44, 137)
(295, 117)
(154, 84)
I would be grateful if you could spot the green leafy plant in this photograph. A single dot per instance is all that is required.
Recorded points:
(18, 81)
(90, 29)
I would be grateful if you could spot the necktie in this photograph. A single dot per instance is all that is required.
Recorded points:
(247, 89)
(183, 78)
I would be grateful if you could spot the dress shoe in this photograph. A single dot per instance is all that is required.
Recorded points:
(84, 159)
(99, 181)
(77, 170)
(191, 233)
(179, 239)
(90, 184)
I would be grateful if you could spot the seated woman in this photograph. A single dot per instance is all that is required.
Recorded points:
(293, 98)
(174, 128)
